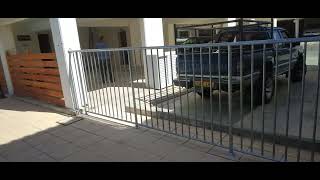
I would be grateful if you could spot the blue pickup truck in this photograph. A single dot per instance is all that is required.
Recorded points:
(193, 68)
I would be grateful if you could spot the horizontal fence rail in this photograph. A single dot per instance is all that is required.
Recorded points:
(256, 97)
(37, 76)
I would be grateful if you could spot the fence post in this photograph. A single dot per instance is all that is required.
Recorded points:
(133, 94)
(230, 98)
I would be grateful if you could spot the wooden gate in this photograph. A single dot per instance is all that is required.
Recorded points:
(37, 76)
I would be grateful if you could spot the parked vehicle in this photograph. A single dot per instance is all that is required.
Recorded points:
(194, 71)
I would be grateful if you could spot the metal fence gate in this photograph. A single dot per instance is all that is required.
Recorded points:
(256, 97)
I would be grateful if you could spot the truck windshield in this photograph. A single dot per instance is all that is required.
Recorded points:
(233, 36)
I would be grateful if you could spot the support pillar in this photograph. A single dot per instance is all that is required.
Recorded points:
(7, 44)
(65, 37)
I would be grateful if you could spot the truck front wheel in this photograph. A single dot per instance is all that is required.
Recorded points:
(257, 90)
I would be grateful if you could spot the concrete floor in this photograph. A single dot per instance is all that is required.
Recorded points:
(31, 133)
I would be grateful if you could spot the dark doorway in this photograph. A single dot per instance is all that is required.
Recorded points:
(123, 43)
(44, 43)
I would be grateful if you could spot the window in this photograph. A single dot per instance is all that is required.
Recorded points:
(183, 34)
(276, 35)
(247, 36)
(284, 34)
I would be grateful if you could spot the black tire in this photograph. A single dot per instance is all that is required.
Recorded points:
(257, 90)
(206, 93)
(297, 71)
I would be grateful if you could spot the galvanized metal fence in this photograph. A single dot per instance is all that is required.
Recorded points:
(256, 97)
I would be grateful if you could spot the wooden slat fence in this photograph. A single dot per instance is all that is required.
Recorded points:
(37, 76)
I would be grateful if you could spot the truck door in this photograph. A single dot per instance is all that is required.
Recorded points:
(283, 52)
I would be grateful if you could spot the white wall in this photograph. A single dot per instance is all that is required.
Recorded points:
(31, 27)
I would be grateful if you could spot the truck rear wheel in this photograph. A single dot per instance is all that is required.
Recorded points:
(257, 90)
(297, 71)
(206, 93)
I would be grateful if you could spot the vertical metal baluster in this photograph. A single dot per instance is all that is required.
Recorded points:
(94, 85)
(97, 82)
(211, 109)
(116, 77)
(102, 75)
(89, 81)
(154, 89)
(104, 94)
(147, 69)
(316, 109)
(128, 87)
(77, 62)
(288, 104)
(263, 94)
(219, 79)
(125, 86)
(113, 83)
(230, 99)
(251, 105)
(194, 91)
(241, 94)
(109, 85)
(133, 93)
(106, 84)
(187, 87)
(178, 68)
(158, 61)
(122, 83)
(202, 104)
(83, 80)
(174, 97)
(113, 97)
(166, 76)
(143, 87)
(275, 106)
(137, 79)
(302, 99)
(75, 104)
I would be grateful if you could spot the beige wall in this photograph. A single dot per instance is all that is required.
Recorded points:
(31, 27)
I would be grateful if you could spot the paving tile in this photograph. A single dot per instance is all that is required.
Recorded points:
(37, 139)
(196, 145)
(85, 156)
(174, 139)
(224, 152)
(13, 146)
(184, 154)
(58, 148)
(88, 125)
(86, 140)
(140, 140)
(160, 147)
(213, 158)
(251, 158)
(2, 159)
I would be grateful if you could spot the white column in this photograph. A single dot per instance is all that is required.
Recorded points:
(152, 35)
(232, 24)
(7, 43)
(275, 22)
(296, 23)
(65, 37)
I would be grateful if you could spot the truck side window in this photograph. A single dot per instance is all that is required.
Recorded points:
(276, 36)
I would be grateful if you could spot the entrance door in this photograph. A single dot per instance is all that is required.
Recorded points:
(44, 43)
(123, 43)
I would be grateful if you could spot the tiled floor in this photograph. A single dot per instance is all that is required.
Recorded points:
(21, 139)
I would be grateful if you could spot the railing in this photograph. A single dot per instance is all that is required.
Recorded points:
(37, 76)
(256, 97)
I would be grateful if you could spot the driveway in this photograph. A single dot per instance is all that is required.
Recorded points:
(31, 133)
